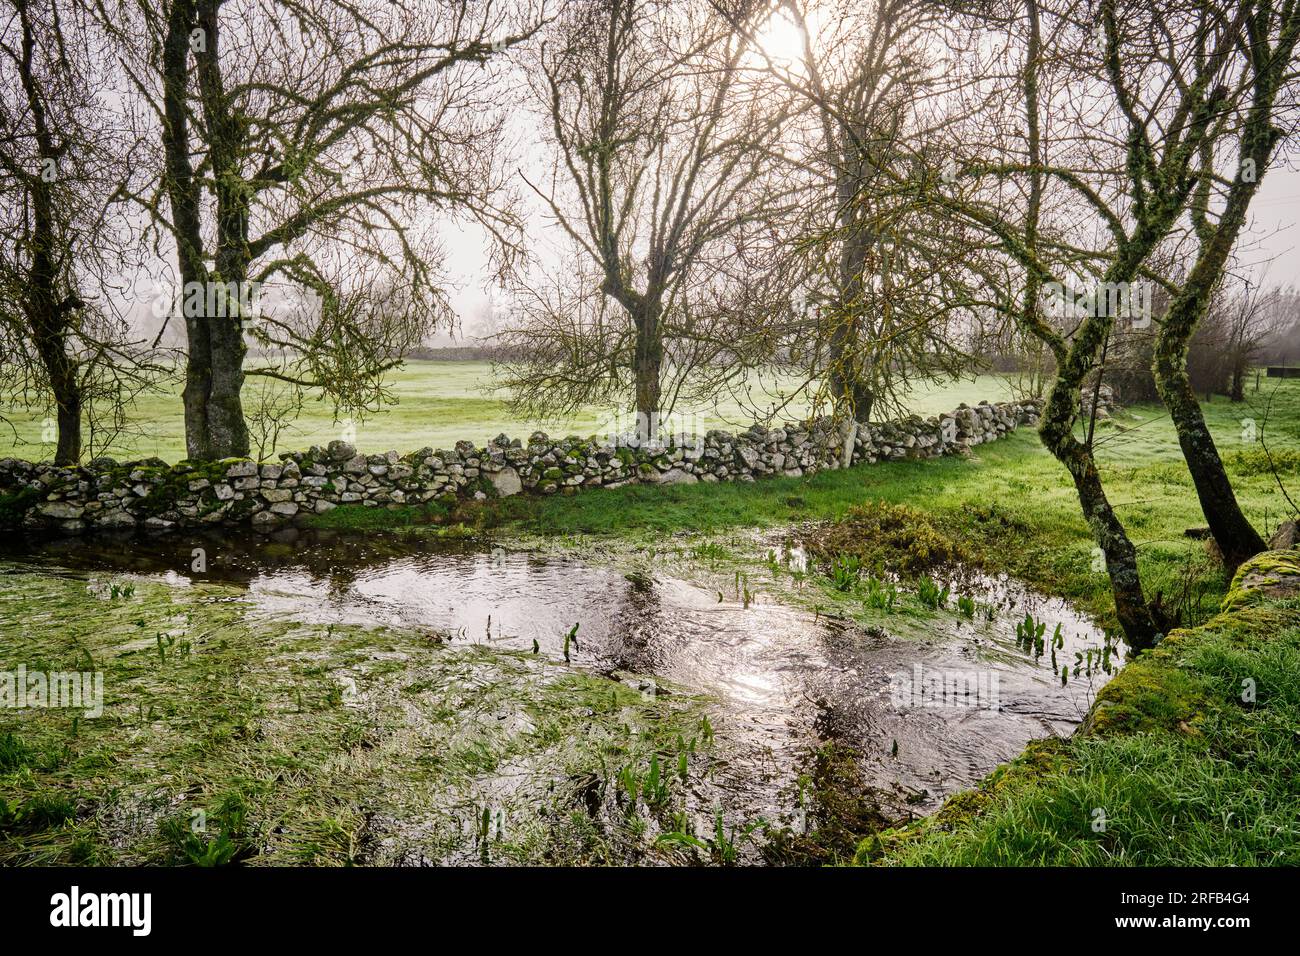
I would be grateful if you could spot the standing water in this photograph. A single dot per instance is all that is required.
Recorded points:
(922, 713)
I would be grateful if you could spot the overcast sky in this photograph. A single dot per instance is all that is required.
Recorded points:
(1276, 233)
(1271, 253)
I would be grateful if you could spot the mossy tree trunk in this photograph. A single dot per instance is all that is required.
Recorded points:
(1140, 624)
(1164, 189)
(1236, 537)
(214, 425)
(848, 377)
(648, 367)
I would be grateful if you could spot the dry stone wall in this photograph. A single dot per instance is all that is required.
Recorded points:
(150, 494)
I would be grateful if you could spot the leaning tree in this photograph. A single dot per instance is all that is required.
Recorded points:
(1121, 103)
(1258, 114)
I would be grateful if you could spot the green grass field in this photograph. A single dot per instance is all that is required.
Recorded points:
(437, 404)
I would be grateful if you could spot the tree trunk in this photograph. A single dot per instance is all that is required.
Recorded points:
(227, 429)
(1141, 628)
(46, 313)
(50, 338)
(1235, 536)
(851, 394)
(214, 375)
(67, 396)
(648, 368)
(1237, 393)
(1142, 623)
(214, 420)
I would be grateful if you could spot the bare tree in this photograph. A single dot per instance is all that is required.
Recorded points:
(304, 147)
(659, 182)
(1281, 346)
(876, 294)
(1231, 336)
(274, 407)
(65, 159)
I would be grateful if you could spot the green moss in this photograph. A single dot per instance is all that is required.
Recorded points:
(1040, 760)
(1147, 696)
(1273, 573)
(887, 537)
(15, 505)
(163, 497)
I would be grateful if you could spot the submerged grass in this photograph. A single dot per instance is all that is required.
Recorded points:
(231, 738)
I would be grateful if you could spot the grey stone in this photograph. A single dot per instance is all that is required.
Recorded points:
(675, 476)
(265, 521)
(63, 510)
(115, 519)
(506, 482)
(1286, 536)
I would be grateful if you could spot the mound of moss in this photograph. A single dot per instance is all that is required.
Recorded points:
(887, 537)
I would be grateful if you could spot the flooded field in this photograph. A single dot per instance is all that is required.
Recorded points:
(478, 702)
